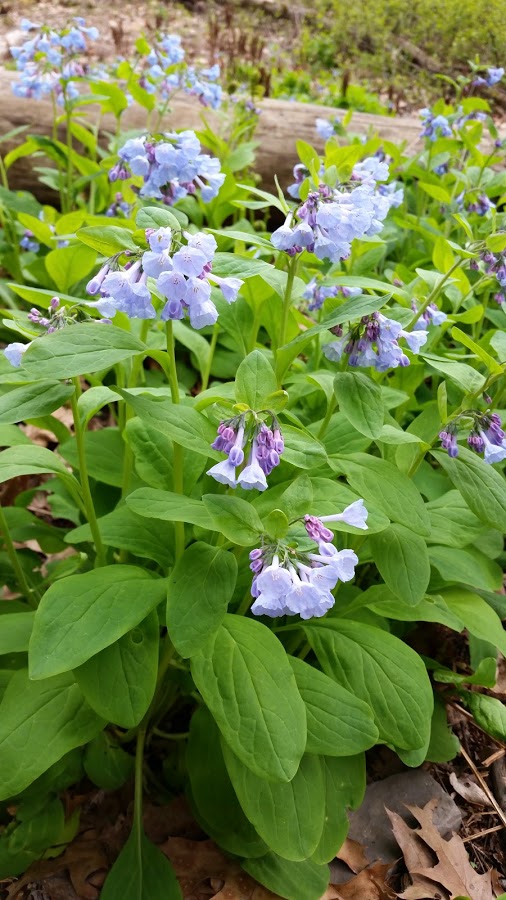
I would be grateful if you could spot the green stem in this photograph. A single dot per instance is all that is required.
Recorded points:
(433, 294)
(139, 759)
(212, 347)
(328, 415)
(28, 592)
(70, 167)
(136, 368)
(84, 478)
(245, 604)
(287, 300)
(178, 457)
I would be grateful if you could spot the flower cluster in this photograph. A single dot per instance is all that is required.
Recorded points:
(326, 128)
(165, 72)
(119, 207)
(331, 218)
(182, 274)
(317, 293)
(29, 242)
(374, 341)
(170, 168)
(265, 448)
(486, 436)
(432, 315)
(494, 264)
(434, 127)
(492, 76)
(49, 61)
(288, 581)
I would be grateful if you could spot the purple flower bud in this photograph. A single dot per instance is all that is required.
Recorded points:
(256, 553)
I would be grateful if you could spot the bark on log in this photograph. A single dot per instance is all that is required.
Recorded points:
(281, 124)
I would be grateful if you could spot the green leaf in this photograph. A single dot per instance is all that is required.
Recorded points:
(15, 631)
(338, 723)
(403, 562)
(50, 715)
(68, 265)
(478, 617)
(382, 482)
(301, 449)
(485, 674)
(106, 603)
(104, 455)
(490, 713)
(157, 217)
(443, 745)
(481, 486)
(231, 265)
(92, 400)
(31, 400)
(107, 239)
(298, 880)
(141, 871)
(129, 668)
(235, 518)
(431, 609)
(255, 380)
(107, 765)
(289, 816)
(182, 424)
(169, 507)
(467, 566)
(361, 401)
(453, 523)
(465, 377)
(381, 670)
(12, 436)
(30, 460)
(213, 796)
(199, 590)
(246, 681)
(344, 787)
(79, 350)
(124, 529)
(435, 191)
(276, 524)
(485, 357)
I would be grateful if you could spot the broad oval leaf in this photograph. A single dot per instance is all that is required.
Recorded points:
(338, 723)
(32, 400)
(403, 562)
(481, 486)
(199, 590)
(39, 723)
(255, 380)
(79, 350)
(361, 401)
(129, 668)
(141, 871)
(237, 519)
(246, 681)
(289, 816)
(381, 670)
(304, 880)
(169, 507)
(80, 615)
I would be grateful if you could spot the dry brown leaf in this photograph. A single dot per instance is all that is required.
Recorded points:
(469, 790)
(369, 884)
(81, 859)
(201, 866)
(353, 854)
(452, 870)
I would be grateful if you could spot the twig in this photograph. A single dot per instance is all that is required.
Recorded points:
(493, 802)
(474, 837)
(492, 759)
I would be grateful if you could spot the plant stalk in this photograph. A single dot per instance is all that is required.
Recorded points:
(84, 478)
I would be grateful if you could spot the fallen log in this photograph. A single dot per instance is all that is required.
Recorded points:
(281, 123)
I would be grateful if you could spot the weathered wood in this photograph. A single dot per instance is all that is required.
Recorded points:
(281, 124)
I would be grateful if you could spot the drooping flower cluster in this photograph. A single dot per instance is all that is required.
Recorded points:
(182, 273)
(486, 436)
(290, 581)
(493, 264)
(374, 341)
(317, 293)
(432, 315)
(492, 76)
(170, 168)
(165, 72)
(119, 207)
(265, 444)
(49, 62)
(331, 218)
(434, 126)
